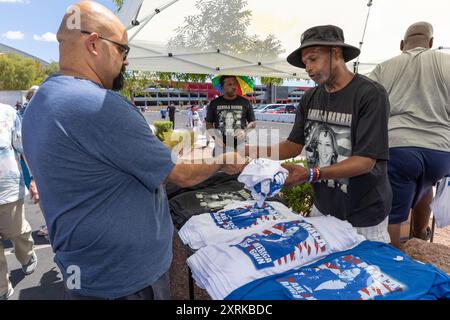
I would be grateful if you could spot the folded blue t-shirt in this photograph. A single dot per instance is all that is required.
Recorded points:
(372, 270)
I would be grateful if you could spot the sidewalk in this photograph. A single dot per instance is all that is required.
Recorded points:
(46, 282)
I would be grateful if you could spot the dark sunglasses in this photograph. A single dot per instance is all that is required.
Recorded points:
(124, 49)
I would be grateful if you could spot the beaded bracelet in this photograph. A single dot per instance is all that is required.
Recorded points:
(314, 175)
(317, 174)
(311, 175)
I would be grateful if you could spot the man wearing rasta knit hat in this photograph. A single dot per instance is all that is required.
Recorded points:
(352, 111)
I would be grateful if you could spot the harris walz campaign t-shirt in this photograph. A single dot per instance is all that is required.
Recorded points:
(228, 116)
(334, 127)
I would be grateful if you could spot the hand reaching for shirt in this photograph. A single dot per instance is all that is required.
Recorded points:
(240, 134)
(234, 163)
(297, 175)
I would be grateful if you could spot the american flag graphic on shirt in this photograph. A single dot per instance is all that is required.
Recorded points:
(288, 243)
(346, 278)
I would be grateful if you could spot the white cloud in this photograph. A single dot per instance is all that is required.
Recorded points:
(15, 1)
(46, 37)
(13, 35)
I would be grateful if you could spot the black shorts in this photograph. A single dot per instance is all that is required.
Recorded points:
(412, 173)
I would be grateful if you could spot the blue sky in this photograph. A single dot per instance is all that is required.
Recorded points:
(31, 26)
(25, 24)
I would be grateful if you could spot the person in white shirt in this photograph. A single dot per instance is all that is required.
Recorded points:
(13, 225)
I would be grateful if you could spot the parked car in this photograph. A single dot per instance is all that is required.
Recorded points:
(258, 107)
(290, 108)
(270, 107)
(280, 108)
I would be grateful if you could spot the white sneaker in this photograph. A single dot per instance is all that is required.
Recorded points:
(31, 265)
(7, 295)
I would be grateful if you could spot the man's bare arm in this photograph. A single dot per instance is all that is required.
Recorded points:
(251, 126)
(284, 150)
(190, 174)
(352, 167)
(214, 133)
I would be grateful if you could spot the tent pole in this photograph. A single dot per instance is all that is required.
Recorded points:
(147, 19)
(135, 21)
(356, 64)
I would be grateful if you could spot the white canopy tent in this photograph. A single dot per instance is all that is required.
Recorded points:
(152, 24)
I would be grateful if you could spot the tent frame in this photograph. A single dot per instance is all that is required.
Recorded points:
(141, 23)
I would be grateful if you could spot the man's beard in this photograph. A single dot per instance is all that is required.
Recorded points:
(119, 81)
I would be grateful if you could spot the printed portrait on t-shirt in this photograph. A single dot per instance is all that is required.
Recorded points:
(217, 201)
(328, 141)
(244, 217)
(281, 244)
(230, 119)
(348, 277)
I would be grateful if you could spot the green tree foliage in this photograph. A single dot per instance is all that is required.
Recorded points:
(270, 47)
(220, 24)
(136, 82)
(269, 83)
(45, 72)
(223, 24)
(20, 73)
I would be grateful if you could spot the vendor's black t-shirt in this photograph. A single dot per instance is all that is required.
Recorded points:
(332, 128)
(230, 115)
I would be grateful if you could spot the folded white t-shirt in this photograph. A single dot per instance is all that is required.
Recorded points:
(264, 178)
(235, 221)
(222, 268)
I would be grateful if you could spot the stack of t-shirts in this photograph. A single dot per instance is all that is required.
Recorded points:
(210, 196)
(222, 268)
(372, 270)
(234, 222)
(264, 178)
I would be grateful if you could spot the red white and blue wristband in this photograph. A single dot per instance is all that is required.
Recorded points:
(314, 175)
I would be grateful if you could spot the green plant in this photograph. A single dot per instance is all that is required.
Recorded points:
(171, 138)
(162, 127)
(300, 198)
(174, 138)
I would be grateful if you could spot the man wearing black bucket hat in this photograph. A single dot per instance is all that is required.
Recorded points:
(354, 111)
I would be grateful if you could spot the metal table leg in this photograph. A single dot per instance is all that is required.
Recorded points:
(191, 285)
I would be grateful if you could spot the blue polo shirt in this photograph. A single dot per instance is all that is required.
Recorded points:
(99, 170)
